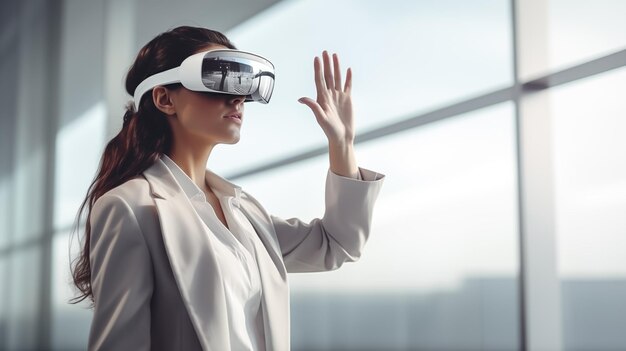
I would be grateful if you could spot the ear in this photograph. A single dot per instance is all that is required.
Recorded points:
(162, 99)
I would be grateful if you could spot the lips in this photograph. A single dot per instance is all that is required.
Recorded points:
(234, 116)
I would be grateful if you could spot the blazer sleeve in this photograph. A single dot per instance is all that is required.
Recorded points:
(324, 244)
(121, 278)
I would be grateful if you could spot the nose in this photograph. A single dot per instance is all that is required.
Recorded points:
(236, 99)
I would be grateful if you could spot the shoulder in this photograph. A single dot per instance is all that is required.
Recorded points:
(133, 193)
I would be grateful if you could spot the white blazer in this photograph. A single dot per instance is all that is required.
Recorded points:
(157, 284)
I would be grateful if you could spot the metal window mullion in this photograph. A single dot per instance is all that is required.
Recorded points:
(119, 49)
(52, 51)
(521, 288)
(540, 298)
(33, 174)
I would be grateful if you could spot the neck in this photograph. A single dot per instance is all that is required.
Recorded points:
(193, 162)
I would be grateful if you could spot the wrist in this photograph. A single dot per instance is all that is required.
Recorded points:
(342, 158)
(341, 143)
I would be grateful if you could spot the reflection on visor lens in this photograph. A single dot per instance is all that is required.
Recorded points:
(232, 77)
(229, 77)
(266, 86)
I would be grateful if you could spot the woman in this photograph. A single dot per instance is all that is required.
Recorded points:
(179, 258)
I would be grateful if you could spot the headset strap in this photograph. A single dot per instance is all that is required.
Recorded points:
(162, 78)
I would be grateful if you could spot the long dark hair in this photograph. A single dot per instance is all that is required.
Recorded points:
(145, 133)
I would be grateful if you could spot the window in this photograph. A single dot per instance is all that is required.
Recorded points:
(444, 241)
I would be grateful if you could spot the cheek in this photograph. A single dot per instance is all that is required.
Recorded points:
(201, 119)
(200, 115)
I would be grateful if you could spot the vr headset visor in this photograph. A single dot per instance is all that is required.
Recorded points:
(222, 71)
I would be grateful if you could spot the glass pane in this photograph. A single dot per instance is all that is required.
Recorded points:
(407, 57)
(4, 301)
(590, 171)
(580, 30)
(23, 287)
(70, 322)
(6, 217)
(9, 101)
(76, 166)
(27, 193)
(444, 241)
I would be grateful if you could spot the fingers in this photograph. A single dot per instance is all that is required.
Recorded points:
(328, 73)
(348, 88)
(337, 74)
(330, 78)
(314, 106)
(319, 79)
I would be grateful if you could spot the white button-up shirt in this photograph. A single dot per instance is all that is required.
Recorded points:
(235, 251)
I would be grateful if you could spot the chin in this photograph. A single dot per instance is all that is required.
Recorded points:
(233, 140)
(230, 138)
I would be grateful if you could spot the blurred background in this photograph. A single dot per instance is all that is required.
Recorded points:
(499, 125)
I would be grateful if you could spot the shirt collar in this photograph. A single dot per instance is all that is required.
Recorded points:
(219, 185)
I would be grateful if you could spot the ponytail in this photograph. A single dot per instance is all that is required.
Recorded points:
(145, 133)
(137, 146)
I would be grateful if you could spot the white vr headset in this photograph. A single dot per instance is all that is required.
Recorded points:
(222, 71)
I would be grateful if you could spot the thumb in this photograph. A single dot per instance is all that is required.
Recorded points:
(313, 105)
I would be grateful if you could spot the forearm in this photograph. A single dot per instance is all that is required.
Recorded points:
(343, 159)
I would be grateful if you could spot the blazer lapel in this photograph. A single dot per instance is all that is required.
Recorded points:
(197, 270)
(275, 297)
(193, 262)
(261, 223)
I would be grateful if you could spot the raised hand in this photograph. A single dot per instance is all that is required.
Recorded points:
(333, 111)
(333, 106)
